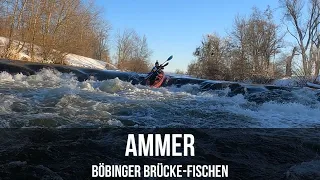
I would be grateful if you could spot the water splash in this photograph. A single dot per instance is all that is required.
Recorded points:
(53, 99)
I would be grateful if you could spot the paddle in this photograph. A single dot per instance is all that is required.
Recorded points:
(169, 58)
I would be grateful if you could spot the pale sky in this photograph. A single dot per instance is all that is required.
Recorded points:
(176, 27)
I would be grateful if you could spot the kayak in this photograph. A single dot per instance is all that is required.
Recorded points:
(158, 80)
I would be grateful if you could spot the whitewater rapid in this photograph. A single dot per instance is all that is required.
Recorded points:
(53, 99)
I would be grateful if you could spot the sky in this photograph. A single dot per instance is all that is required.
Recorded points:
(176, 27)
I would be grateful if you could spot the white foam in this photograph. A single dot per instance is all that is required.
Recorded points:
(5, 103)
(112, 86)
(114, 122)
(5, 77)
(19, 77)
(86, 85)
(94, 100)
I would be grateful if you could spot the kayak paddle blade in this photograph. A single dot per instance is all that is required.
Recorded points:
(170, 58)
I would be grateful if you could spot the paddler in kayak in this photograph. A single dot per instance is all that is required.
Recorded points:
(156, 77)
(155, 72)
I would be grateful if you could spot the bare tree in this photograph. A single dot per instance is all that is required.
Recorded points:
(304, 30)
(257, 39)
(101, 45)
(124, 48)
(247, 53)
(132, 52)
(140, 56)
(58, 26)
(289, 62)
(212, 58)
(195, 70)
(12, 25)
(315, 50)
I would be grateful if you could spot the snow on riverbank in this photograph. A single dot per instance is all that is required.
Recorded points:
(70, 59)
(81, 61)
(294, 81)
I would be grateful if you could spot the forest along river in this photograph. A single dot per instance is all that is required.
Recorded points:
(53, 99)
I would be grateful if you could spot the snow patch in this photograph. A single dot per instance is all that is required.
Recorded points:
(70, 59)
(295, 81)
(3, 41)
(287, 82)
(81, 61)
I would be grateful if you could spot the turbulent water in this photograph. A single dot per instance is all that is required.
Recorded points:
(53, 99)
(261, 133)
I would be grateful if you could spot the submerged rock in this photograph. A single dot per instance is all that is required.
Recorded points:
(275, 95)
(236, 91)
(15, 69)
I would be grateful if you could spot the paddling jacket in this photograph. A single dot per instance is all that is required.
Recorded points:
(159, 68)
(155, 72)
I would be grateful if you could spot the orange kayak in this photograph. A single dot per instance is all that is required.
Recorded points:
(158, 81)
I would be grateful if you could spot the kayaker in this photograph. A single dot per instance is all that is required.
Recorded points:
(155, 72)
(156, 66)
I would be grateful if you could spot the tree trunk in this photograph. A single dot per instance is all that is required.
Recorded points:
(317, 64)
(289, 63)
